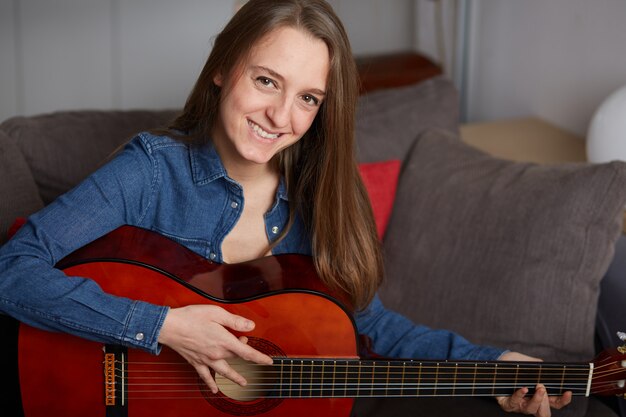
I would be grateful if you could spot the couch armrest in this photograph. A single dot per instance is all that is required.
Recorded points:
(19, 196)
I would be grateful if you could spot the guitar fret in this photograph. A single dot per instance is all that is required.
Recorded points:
(436, 379)
(312, 379)
(474, 381)
(322, 380)
(344, 373)
(495, 377)
(456, 370)
(387, 379)
(403, 380)
(332, 385)
(351, 380)
(419, 380)
(301, 378)
(359, 379)
(291, 378)
(393, 385)
(373, 378)
(281, 379)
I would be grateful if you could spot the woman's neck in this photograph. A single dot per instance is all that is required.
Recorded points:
(248, 173)
(244, 171)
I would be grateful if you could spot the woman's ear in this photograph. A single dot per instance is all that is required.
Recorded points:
(218, 79)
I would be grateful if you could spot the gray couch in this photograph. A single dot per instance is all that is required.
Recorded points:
(508, 254)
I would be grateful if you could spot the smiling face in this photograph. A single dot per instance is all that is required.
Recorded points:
(270, 100)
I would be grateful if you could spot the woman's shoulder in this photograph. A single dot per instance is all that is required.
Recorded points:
(154, 142)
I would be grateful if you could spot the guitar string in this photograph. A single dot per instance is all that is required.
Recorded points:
(400, 384)
(407, 385)
(351, 393)
(395, 364)
(584, 368)
(251, 394)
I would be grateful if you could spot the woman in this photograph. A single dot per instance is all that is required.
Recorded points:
(260, 162)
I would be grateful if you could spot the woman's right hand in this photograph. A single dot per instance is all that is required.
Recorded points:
(199, 334)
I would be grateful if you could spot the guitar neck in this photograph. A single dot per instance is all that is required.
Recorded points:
(306, 378)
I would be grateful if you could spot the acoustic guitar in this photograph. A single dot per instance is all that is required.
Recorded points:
(319, 366)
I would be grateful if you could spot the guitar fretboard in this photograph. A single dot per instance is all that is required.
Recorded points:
(306, 378)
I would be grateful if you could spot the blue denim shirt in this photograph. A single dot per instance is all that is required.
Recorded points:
(184, 193)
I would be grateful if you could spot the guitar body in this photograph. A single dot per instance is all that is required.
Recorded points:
(64, 375)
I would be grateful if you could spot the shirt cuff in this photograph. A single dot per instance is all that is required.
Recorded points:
(143, 324)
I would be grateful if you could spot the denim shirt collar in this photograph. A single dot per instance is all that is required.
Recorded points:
(207, 166)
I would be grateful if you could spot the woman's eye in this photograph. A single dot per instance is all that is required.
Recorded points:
(265, 81)
(311, 100)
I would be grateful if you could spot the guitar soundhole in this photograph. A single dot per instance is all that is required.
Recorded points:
(255, 398)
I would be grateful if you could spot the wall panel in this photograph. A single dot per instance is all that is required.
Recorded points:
(556, 59)
(66, 51)
(162, 46)
(9, 80)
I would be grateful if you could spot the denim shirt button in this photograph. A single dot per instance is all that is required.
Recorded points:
(275, 229)
(234, 204)
(139, 336)
(212, 255)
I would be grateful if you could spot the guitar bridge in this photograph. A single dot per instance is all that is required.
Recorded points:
(115, 369)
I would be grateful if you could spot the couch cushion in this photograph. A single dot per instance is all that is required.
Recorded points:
(63, 148)
(388, 121)
(18, 191)
(528, 243)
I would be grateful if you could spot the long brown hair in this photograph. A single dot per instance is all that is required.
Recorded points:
(320, 169)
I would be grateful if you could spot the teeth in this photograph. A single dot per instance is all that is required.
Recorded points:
(262, 132)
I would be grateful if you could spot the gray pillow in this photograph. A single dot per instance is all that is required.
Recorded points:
(18, 193)
(508, 254)
(388, 121)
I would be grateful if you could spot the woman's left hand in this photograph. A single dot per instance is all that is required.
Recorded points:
(540, 403)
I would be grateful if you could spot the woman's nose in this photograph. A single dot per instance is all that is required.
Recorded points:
(279, 112)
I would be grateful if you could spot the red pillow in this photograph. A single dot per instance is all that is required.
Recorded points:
(19, 222)
(381, 180)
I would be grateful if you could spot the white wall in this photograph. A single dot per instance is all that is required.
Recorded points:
(77, 54)
(557, 59)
